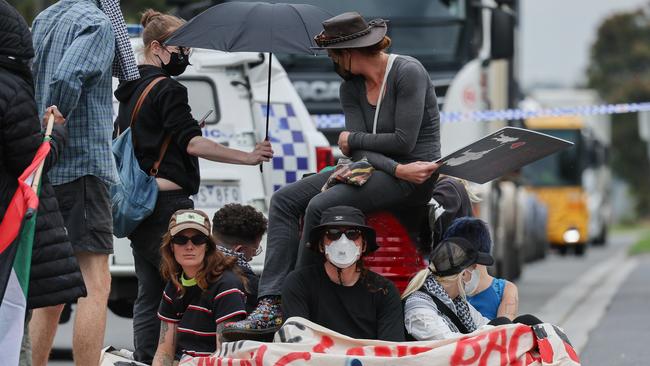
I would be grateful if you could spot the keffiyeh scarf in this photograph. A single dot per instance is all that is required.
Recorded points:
(124, 65)
(459, 305)
(241, 261)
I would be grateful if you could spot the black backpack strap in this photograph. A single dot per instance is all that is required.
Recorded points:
(450, 314)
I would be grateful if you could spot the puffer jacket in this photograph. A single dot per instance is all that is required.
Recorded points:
(55, 275)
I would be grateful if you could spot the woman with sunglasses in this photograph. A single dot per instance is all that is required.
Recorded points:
(339, 293)
(204, 289)
(165, 119)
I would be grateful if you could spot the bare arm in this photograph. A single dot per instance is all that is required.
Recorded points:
(219, 331)
(207, 149)
(166, 345)
(509, 302)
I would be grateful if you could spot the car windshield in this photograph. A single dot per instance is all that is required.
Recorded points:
(560, 169)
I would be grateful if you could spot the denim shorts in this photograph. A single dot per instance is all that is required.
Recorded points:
(85, 205)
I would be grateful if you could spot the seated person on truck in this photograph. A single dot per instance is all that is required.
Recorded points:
(204, 289)
(238, 230)
(401, 142)
(435, 306)
(492, 297)
(340, 294)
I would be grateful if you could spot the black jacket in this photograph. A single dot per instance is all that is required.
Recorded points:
(165, 111)
(55, 275)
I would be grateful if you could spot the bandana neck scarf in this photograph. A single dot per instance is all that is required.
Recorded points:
(241, 261)
(124, 65)
(459, 305)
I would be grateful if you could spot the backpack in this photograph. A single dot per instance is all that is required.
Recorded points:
(134, 196)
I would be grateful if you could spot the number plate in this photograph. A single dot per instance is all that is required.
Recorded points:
(216, 195)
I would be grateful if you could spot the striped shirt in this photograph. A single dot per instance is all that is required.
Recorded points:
(198, 313)
(75, 47)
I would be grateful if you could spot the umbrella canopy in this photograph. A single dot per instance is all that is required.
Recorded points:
(253, 27)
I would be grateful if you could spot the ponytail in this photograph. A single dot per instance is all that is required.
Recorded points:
(416, 282)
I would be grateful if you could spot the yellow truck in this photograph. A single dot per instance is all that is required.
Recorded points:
(570, 183)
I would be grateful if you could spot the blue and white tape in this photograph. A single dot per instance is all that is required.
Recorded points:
(337, 121)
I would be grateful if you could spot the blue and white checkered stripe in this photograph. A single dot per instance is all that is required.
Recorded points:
(337, 121)
(291, 154)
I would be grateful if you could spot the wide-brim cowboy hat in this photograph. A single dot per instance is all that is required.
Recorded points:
(343, 216)
(350, 30)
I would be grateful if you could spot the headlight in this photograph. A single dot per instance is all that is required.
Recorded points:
(571, 236)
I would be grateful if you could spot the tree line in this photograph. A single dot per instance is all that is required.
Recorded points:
(619, 70)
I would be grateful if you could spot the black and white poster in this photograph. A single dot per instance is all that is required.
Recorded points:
(500, 153)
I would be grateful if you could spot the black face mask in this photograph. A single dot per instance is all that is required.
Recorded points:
(343, 73)
(178, 62)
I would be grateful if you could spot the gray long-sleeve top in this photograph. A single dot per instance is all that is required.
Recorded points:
(408, 127)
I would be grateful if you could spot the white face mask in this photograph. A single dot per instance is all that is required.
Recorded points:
(342, 252)
(472, 284)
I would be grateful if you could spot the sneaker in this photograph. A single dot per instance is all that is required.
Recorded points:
(261, 324)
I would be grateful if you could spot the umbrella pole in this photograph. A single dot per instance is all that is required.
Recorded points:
(268, 97)
(268, 104)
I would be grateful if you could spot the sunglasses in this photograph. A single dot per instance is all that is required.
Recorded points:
(335, 234)
(198, 239)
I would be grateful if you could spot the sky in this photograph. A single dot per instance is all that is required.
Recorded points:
(556, 37)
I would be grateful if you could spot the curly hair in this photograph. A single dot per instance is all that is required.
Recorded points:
(235, 223)
(214, 264)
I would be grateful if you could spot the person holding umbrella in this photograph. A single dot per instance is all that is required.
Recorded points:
(392, 119)
(164, 118)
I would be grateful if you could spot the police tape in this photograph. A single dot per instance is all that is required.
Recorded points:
(519, 114)
(337, 121)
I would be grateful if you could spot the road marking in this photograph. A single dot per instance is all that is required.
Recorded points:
(587, 314)
(579, 306)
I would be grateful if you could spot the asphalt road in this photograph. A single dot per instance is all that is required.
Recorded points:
(596, 298)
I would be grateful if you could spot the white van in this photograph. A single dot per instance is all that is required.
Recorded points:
(234, 86)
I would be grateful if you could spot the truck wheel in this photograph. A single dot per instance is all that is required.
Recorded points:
(564, 249)
(580, 249)
(601, 240)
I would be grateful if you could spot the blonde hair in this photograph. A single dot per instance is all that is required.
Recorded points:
(158, 27)
(473, 197)
(418, 280)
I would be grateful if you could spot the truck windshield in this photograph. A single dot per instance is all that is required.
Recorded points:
(563, 168)
(428, 30)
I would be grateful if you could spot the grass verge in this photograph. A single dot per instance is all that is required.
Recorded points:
(641, 246)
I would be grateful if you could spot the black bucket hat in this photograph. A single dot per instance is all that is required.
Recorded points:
(350, 30)
(455, 254)
(343, 216)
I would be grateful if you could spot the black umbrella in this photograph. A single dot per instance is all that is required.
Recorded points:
(254, 27)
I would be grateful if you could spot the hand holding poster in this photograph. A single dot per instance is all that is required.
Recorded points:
(499, 153)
